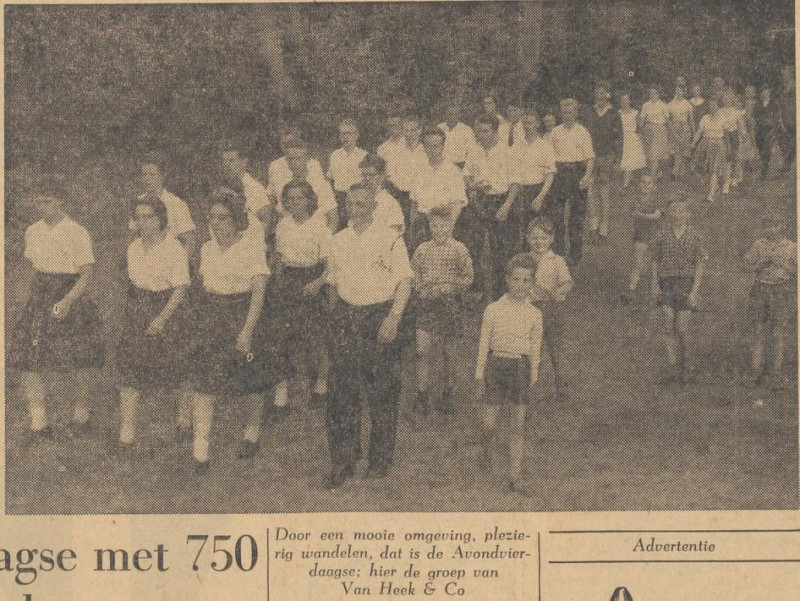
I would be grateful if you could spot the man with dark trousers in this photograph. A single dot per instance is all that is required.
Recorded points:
(605, 126)
(370, 277)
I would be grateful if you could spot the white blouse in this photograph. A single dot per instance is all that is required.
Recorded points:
(303, 244)
(654, 112)
(63, 248)
(231, 270)
(680, 109)
(163, 267)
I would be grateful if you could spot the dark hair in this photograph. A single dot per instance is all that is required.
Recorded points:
(154, 202)
(358, 186)
(542, 223)
(441, 211)
(520, 262)
(157, 158)
(490, 120)
(433, 131)
(373, 160)
(234, 202)
(307, 190)
(292, 130)
(621, 594)
(296, 143)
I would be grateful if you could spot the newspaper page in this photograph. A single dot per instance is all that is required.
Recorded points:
(416, 300)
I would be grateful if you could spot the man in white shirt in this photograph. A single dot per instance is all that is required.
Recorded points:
(344, 166)
(387, 211)
(391, 151)
(279, 171)
(300, 166)
(370, 282)
(436, 182)
(490, 173)
(534, 160)
(258, 206)
(459, 137)
(574, 168)
(179, 219)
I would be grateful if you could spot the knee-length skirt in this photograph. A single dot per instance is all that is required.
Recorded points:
(656, 142)
(148, 361)
(216, 366)
(680, 138)
(632, 152)
(41, 341)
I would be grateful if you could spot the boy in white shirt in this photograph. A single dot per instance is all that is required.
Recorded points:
(508, 364)
(344, 166)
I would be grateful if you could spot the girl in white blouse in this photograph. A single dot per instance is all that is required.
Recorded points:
(59, 328)
(633, 157)
(231, 353)
(681, 130)
(653, 125)
(302, 241)
(711, 132)
(153, 334)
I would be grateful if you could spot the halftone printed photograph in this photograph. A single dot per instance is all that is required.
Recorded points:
(533, 256)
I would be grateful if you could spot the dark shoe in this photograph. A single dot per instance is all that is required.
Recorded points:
(337, 478)
(248, 450)
(626, 299)
(45, 433)
(671, 375)
(518, 488)
(562, 391)
(445, 405)
(201, 468)
(376, 473)
(123, 450)
(278, 415)
(421, 404)
(183, 434)
(79, 430)
(601, 240)
(318, 400)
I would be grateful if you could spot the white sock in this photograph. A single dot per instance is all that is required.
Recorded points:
(282, 394)
(202, 416)
(128, 405)
(33, 390)
(251, 433)
(321, 386)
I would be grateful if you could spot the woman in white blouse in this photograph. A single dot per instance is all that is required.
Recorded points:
(681, 130)
(154, 330)
(59, 328)
(302, 241)
(653, 125)
(231, 353)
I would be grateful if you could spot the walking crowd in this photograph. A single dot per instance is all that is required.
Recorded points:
(338, 270)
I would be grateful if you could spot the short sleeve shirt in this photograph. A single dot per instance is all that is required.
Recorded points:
(436, 186)
(677, 257)
(344, 169)
(63, 248)
(533, 161)
(494, 166)
(573, 145)
(458, 141)
(654, 112)
(388, 211)
(302, 244)
(163, 267)
(256, 198)
(231, 270)
(366, 268)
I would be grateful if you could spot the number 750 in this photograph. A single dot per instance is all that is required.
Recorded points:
(245, 552)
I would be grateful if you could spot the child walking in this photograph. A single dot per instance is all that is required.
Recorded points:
(633, 157)
(646, 217)
(773, 258)
(59, 328)
(679, 261)
(508, 364)
(442, 273)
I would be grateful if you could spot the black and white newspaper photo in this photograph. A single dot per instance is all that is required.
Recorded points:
(433, 300)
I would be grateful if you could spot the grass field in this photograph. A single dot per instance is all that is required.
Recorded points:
(622, 442)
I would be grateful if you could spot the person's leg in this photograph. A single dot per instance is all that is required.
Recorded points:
(726, 177)
(425, 344)
(605, 209)
(489, 434)
(202, 418)
(555, 335)
(626, 179)
(128, 406)
(322, 362)
(668, 315)
(682, 336)
(34, 393)
(593, 210)
(757, 350)
(381, 367)
(184, 421)
(516, 447)
(341, 411)
(639, 256)
(254, 412)
(449, 374)
(764, 152)
(576, 216)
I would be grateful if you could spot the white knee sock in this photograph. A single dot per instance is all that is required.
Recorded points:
(202, 416)
(33, 390)
(128, 405)
(282, 394)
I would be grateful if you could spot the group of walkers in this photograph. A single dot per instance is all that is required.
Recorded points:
(338, 269)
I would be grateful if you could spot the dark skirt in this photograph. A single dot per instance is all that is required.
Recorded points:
(40, 341)
(151, 361)
(303, 317)
(441, 316)
(507, 380)
(217, 367)
(674, 292)
(644, 230)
